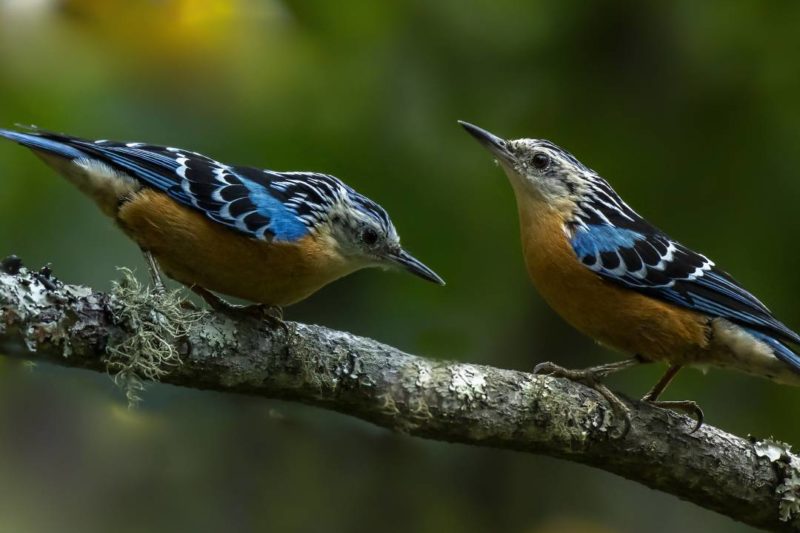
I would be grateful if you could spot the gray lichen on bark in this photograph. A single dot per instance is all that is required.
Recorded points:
(154, 323)
(42, 319)
(788, 466)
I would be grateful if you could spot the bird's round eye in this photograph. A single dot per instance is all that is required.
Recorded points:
(541, 161)
(369, 236)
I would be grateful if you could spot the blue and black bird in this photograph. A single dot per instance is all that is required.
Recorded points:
(269, 237)
(620, 280)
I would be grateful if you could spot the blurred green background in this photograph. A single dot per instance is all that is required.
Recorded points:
(689, 108)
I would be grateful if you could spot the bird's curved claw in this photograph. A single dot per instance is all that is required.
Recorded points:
(687, 407)
(547, 368)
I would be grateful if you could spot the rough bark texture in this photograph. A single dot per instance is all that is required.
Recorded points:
(133, 332)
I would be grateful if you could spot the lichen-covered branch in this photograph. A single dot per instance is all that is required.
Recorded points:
(138, 336)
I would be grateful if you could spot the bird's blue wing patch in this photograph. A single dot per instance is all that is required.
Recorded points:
(594, 240)
(284, 222)
(652, 263)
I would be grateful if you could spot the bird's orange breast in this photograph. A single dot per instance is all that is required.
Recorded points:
(197, 251)
(615, 316)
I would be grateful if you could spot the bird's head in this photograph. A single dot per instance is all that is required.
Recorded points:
(537, 167)
(365, 235)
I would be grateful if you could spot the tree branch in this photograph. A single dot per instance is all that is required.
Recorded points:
(132, 332)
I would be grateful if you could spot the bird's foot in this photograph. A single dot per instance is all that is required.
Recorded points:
(591, 378)
(270, 313)
(687, 407)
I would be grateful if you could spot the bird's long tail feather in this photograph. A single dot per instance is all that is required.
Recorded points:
(94, 177)
(781, 351)
(35, 141)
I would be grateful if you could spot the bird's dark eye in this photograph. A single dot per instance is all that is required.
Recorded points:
(541, 161)
(369, 236)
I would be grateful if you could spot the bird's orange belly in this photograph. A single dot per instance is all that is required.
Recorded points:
(616, 317)
(196, 251)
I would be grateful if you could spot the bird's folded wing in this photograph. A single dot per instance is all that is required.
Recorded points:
(241, 198)
(652, 263)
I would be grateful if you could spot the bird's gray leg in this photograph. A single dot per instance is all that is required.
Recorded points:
(662, 384)
(591, 378)
(214, 301)
(158, 283)
(155, 274)
(272, 314)
(686, 406)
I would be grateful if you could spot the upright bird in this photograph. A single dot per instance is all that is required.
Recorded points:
(270, 237)
(617, 278)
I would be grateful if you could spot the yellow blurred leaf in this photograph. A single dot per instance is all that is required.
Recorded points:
(166, 31)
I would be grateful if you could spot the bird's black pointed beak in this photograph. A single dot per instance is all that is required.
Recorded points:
(413, 265)
(496, 145)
